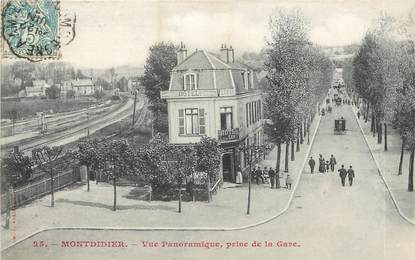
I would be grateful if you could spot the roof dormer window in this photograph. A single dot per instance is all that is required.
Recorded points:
(249, 80)
(190, 82)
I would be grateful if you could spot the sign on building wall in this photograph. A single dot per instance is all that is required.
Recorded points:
(228, 134)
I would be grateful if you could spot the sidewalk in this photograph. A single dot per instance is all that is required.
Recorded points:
(389, 164)
(74, 207)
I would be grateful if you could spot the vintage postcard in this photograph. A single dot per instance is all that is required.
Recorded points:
(207, 129)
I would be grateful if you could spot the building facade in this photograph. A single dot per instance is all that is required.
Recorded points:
(213, 95)
(81, 87)
(38, 89)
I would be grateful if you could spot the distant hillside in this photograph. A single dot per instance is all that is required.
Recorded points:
(121, 71)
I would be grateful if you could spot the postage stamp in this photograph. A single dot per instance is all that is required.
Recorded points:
(30, 29)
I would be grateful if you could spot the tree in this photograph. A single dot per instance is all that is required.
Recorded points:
(53, 92)
(208, 154)
(120, 161)
(112, 75)
(70, 94)
(252, 154)
(103, 83)
(19, 168)
(181, 161)
(122, 84)
(298, 76)
(159, 64)
(99, 94)
(79, 74)
(152, 164)
(45, 157)
(89, 154)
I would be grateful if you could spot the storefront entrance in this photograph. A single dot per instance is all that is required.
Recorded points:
(228, 167)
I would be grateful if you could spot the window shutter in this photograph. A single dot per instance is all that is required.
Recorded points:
(202, 121)
(181, 122)
(197, 81)
(184, 82)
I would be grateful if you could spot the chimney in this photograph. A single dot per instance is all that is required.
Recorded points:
(182, 53)
(224, 53)
(231, 54)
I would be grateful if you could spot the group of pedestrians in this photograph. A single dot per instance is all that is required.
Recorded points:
(349, 173)
(324, 165)
(269, 176)
(329, 165)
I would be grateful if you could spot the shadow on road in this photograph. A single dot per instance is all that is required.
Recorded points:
(119, 207)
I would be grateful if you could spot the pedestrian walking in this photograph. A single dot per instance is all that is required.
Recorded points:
(311, 163)
(321, 165)
(327, 166)
(271, 174)
(350, 175)
(265, 175)
(333, 162)
(342, 173)
(288, 182)
(238, 176)
(259, 175)
(358, 114)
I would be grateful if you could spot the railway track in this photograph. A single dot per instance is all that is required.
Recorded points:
(78, 131)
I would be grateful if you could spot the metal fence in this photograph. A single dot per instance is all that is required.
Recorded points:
(36, 190)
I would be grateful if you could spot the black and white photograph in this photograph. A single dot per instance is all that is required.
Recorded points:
(207, 129)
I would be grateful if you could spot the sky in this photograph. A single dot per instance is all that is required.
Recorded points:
(115, 33)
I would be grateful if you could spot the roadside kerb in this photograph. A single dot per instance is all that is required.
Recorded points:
(380, 172)
(288, 204)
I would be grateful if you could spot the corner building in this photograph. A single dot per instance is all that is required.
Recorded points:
(213, 95)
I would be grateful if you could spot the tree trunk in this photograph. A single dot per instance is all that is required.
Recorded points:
(401, 158)
(292, 151)
(115, 194)
(367, 112)
(180, 197)
(277, 167)
(305, 128)
(287, 148)
(308, 133)
(249, 189)
(386, 136)
(298, 141)
(372, 124)
(87, 178)
(208, 187)
(411, 171)
(301, 133)
(379, 132)
(52, 195)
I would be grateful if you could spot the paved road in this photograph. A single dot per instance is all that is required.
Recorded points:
(326, 220)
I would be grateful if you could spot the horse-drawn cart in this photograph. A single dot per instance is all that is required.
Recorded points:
(340, 126)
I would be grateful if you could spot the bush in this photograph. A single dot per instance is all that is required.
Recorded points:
(70, 94)
(53, 92)
(99, 94)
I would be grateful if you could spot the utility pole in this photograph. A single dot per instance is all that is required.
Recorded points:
(135, 101)
(87, 122)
